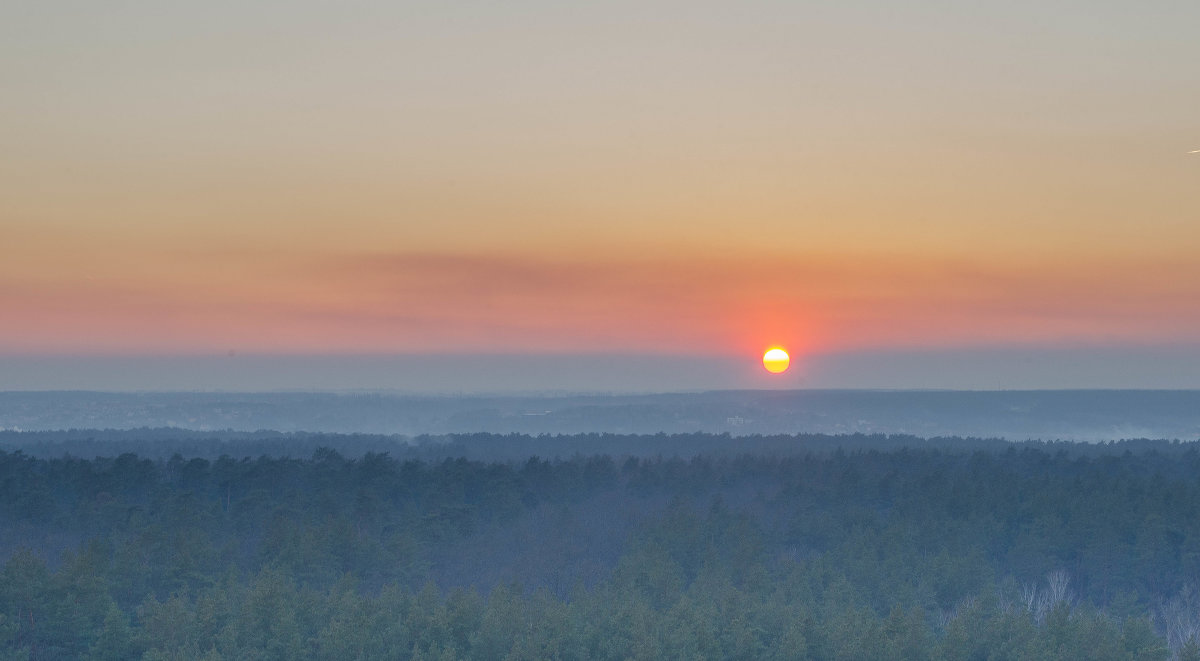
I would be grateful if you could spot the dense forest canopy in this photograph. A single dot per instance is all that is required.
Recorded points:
(769, 547)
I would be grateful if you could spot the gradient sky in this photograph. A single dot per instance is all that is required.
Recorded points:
(663, 179)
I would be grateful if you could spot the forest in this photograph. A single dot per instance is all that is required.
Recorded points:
(695, 547)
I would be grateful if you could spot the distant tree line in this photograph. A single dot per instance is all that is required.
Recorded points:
(901, 550)
(164, 442)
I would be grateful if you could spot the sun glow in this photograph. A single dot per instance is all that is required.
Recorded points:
(776, 360)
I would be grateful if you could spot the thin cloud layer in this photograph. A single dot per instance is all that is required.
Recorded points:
(431, 302)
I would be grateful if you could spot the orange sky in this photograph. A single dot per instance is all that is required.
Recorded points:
(672, 179)
(428, 302)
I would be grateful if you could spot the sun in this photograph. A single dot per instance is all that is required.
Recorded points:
(776, 360)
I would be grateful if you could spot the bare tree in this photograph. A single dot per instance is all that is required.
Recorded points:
(1058, 589)
(945, 617)
(1029, 597)
(1179, 618)
(1039, 601)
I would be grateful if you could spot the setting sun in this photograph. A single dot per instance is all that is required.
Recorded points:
(776, 360)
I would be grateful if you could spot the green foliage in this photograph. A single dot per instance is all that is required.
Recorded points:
(910, 554)
(1190, 651)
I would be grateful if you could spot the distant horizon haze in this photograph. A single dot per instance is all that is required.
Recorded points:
(1006, 368)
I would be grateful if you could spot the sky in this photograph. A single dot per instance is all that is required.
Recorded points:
(910, 193)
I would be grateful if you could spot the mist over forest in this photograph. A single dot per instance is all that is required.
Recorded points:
(1084, 415)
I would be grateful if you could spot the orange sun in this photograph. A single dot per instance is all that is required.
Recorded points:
(776, 360)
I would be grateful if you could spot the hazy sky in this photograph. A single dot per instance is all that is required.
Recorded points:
(666, 179)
